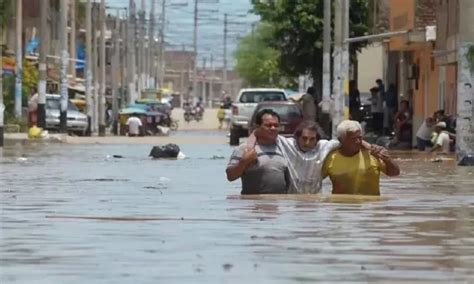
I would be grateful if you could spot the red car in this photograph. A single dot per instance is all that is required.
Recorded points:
(290, 115)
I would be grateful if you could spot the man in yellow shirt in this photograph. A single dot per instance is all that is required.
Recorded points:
(352, 169)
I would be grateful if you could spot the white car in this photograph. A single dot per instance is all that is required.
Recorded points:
(244, 107)
(76, 121)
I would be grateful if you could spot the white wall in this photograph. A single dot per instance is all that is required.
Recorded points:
(370, 66)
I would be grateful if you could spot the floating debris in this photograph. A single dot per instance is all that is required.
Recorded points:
(227, 266)
(215, 157)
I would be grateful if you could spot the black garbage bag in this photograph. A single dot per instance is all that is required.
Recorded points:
(165, 151)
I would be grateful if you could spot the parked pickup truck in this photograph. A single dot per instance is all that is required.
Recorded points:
(244, 107)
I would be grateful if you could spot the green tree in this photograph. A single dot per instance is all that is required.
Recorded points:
(298, 32)
(257, 62)
(5, 12)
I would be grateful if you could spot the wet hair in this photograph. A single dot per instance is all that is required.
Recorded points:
(374, 89)
(406, 102)
(468, 85)
(260, 114)
(440, 112)
(378, 81)
(310, 125)
(347, 126)
(311, 90)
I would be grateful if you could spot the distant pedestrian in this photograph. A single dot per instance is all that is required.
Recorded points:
(354, 100)
(33, 108)
(227, 101)
(221, 115)
(390, 105)
(380, 86)
(308, 104)
(377, 110)
(441, 140)
(403, 122)
(423, 135)
(134, 126)
(227, 117)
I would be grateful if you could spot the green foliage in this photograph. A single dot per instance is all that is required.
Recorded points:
(470, 57)
(5, 11)
(30, 81)
(30, 78)
(257, 63)
(298, 31)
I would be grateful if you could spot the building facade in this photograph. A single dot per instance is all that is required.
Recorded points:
(415, 70)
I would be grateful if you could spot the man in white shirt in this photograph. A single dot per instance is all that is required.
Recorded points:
(377, 109)
(441, 140)
(423, 135)
(134, 126)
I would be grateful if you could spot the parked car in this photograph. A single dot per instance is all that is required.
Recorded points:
(76, 121)
(244, 107)
(290, 114)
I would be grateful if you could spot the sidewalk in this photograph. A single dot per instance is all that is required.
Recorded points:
(208, 123)
(12, 138)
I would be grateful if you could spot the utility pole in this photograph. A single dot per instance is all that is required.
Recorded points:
(114, 68)
(102, 70)
(89, 107)
(141, 50)
(211, 83)
(72, 40)
(224, 71)
(95, 70)
(195, 31)
(42, 67)
(151, 47)
(203, 84)
(2, 105)
(465, 100)
(327, 56)
(337, 114)
(162, 63)
(341, 63)
(19, 59)
(64, 62)
(123, 61)
(345, 58)
(131, 41)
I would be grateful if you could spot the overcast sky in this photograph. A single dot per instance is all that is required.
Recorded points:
(179, 28)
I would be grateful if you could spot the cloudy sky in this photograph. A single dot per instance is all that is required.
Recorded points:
(180, 19)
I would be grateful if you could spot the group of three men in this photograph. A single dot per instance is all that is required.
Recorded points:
(272, 164)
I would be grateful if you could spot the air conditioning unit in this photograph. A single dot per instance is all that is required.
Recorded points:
(430, 33)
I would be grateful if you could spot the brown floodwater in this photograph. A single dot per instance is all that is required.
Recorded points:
(75, 214)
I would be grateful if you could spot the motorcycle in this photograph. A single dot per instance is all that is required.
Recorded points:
(170, 123)
(193, 114)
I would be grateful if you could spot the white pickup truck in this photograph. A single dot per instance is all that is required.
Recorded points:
(244, 107)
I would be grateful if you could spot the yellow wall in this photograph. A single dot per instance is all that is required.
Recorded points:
(425, 99)
(427, 84)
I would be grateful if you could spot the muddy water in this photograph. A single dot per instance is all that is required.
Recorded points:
(74, 214)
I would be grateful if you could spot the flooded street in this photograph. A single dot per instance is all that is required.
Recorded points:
(75, 214)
